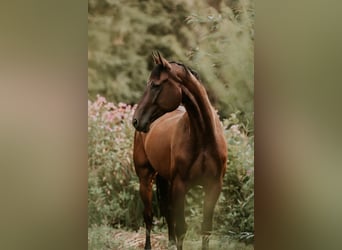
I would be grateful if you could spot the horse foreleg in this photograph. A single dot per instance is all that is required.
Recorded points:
(146, 196)
(212, 193)
(178, 198)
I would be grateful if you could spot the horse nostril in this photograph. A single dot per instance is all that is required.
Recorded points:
(135, 122)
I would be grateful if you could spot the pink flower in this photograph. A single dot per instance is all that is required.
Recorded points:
(109, 128)
(101, 99)
(122, 105)
(108, 117)
(110, 106)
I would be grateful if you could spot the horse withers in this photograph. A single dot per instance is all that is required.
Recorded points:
(181, 147)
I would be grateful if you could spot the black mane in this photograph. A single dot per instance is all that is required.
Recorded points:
(189, 69)
(159, 68)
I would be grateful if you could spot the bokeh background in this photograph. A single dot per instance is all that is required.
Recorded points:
(213, 37)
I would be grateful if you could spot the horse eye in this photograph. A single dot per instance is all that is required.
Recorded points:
(154, 85)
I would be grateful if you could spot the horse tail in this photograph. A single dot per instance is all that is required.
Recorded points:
(162, 194)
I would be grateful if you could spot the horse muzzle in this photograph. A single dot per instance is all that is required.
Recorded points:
(141, 126)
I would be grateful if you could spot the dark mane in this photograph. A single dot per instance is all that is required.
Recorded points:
(159, 68)
(189, 69)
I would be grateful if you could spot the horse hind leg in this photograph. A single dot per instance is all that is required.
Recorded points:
(163, 191)
(212, 193)
(146, 196)
(178, 198)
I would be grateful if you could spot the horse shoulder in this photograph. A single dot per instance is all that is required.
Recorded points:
(158, 143)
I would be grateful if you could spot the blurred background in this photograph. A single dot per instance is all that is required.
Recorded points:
(214, 37)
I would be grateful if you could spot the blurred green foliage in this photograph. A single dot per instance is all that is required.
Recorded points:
(215, 38)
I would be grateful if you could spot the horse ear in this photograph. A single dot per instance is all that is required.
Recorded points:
(155, 58)
(164, 62)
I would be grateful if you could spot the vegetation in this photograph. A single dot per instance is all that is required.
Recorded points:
(104, 237)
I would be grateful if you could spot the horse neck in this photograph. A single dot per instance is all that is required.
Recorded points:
(199, 110)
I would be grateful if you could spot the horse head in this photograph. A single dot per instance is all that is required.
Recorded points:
(163, 93)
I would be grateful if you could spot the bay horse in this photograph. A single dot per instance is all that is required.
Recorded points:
(178, 147)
